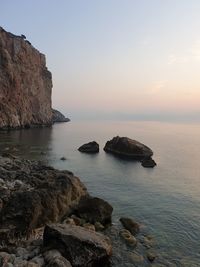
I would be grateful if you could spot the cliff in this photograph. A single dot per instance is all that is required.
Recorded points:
(25, 84)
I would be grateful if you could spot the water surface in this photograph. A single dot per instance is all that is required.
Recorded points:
(166, 199)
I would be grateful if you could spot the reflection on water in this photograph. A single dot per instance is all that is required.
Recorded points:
(165, 199)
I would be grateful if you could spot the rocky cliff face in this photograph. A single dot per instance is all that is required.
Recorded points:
(25, 84)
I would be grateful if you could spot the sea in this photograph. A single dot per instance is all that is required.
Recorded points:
(165, 200)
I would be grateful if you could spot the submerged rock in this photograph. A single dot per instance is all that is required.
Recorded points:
(94, 209)
(128, 148)
(130, 225)
(80, 246)
(91, 147)
(32, 195)
(57, 116)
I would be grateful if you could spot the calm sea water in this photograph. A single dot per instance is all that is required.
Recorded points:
(166, 199)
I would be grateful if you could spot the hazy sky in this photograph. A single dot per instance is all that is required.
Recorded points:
(116, 58)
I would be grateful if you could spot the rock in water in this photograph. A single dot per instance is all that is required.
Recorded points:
(58, 116)
(26, 84)
(94, 209)
(80, 246)
(91, 147)
(128, 148)
(33, 194)
(130, 225)
(148, 163)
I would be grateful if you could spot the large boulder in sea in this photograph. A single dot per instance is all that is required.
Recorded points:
(94, 209)
(32, 195)
(91, 147)
(128, 148)
(80, 246)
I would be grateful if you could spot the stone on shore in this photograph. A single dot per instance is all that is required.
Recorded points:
(80, 246)
(94, 209)
(130, 225)
(128, 148)
(91, 147)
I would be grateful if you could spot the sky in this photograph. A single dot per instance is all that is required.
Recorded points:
(116, 59)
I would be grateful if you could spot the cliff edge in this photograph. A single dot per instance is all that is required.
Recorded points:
(25, 84)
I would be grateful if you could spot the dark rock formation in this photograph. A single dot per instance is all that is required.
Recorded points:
(94, 209)
(126, 147)
(80, 246)
(130, 225)
(148, 163)
(58, 116)
(25, 84)
(32, 195)
(91, 147)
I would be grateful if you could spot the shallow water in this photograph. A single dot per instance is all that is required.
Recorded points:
(166, 199)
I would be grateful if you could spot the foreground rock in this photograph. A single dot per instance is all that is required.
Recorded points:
(128, 148)
(32, 195)
(94, 209)
(91, 147)
(80, 246)
(25, 79)
(130, 225)
(57, 116)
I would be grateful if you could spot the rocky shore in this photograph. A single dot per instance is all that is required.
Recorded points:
(47, 218)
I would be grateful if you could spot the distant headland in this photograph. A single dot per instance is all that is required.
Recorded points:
(26, 85)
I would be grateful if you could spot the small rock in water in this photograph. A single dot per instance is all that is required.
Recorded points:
(63, 158)
(151, 255)
(136, 258)
(130, 225)
(128, 237)
(148, 163)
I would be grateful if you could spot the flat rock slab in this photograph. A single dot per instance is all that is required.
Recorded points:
(82, 247)
(128, 148)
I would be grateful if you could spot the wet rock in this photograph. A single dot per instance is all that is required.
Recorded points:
(148, 241)
(148, 163)
(128, 148)
(77, 244)
(91, 147)
(128, 237)
(130, 225)
(136, 258)
(151, 255)
(94, 209)
(33, 195)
